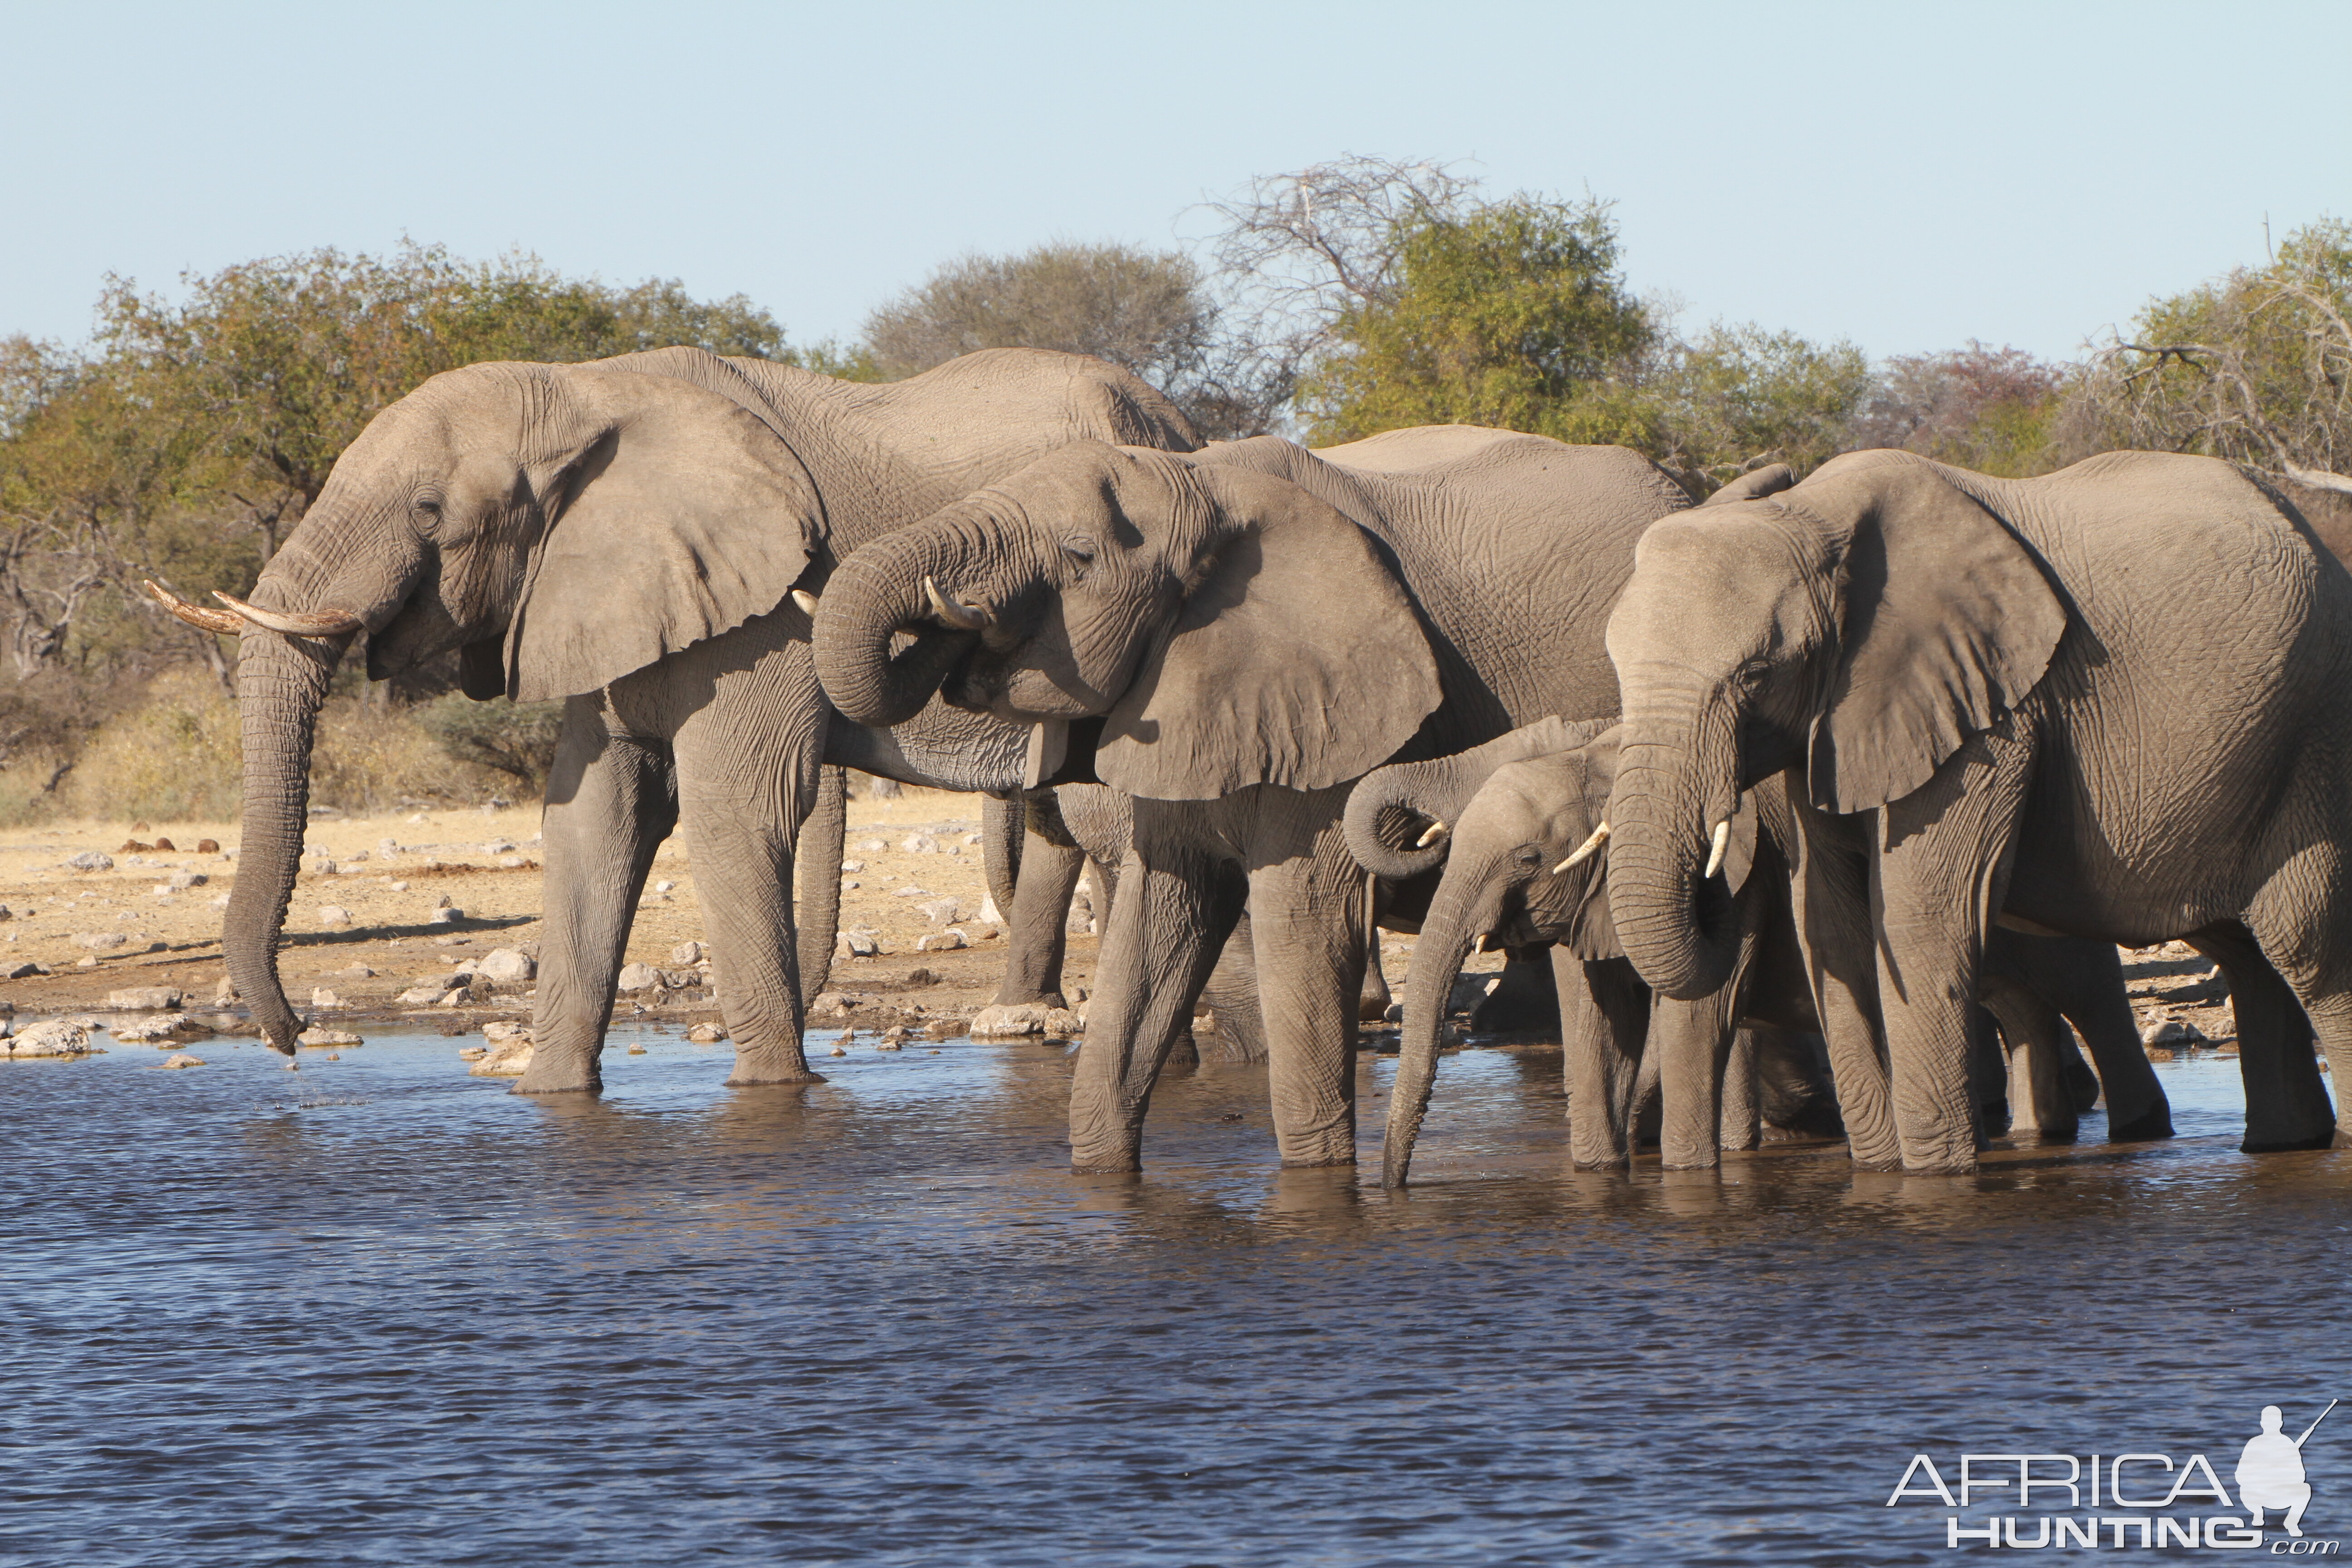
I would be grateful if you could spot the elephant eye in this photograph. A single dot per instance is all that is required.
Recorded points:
(1080, 549)
(1752, 671)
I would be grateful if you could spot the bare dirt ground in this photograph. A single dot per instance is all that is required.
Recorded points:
(391, 872)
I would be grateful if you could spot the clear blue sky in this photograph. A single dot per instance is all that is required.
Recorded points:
(1906, 175)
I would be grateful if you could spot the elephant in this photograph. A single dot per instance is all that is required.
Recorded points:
(1525, 863)
(646, 538)
(2104, 703)
(1231, 639)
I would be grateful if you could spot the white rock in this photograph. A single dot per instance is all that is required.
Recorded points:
(912, 892)
(334, 915)
(25, 971)
(387, 847)
(445, 916)
(443, 902)
(498, 847)
(159, 1028)
(2172, 1032)
(940, 942)
(1009, 1020)
(90, 860)
(511, 862)
(508, 967)
(941, 911)
(830, 1004)
(640, 977)
(356, 855)
(689, 952)
(871, 845)
(356, 972)
(989, 911)
(510, 1053)
(919, 843)
(218, 900)
(55, 1037)
(973, 839)
(855, 944)
(143, 999)
(422, 996)
(417, 818)
(182, 1059)
(99, 941)
(1061, 1023)
(322, 998)
(319, 1039)
(706, 1033)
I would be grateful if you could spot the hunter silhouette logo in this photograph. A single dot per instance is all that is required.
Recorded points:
(2132, 1499)
(2270, 1472)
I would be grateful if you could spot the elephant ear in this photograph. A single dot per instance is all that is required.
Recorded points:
(1949, 620)
(1753, 485)
(678, 515)
(1295, 660)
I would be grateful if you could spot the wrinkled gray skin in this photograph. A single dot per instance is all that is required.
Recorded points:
(1256, 628)
(624, 535)
(1522, 806)
(2105, 702)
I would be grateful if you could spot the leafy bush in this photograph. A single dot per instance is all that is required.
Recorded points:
(513, 738)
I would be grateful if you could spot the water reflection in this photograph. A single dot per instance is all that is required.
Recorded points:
(380, 1310)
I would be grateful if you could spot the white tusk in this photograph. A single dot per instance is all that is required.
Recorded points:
(963, 617)
(1431, 835)
(329, 624)
(1722, 842)
(1586, 850)
(805, 600)
(216, 621)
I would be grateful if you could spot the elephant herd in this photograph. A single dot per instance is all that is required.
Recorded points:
(1813, 776)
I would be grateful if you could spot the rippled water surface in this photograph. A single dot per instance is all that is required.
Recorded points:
(379, 1312)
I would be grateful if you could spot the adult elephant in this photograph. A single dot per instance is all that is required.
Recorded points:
(1233, 640)
(2106, 702)
(1525, 863)
(644, 537)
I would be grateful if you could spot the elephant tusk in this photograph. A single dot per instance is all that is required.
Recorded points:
(217, 621)
(327, 624)
(962, 618)
(1431, 835)
(1722, 842)
(1586, 850)
(806, 600)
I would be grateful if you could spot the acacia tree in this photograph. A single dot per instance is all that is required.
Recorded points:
(2255, 366)
(1990, 409)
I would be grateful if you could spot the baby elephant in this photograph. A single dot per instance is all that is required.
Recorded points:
(1517, 821)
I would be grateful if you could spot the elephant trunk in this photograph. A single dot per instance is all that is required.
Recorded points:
(281, 684)
(1468, 903)
(1400, 816)
(1675, 918)
(901, 585)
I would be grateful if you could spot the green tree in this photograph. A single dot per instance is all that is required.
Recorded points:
(1737, 397)
(1510, 314)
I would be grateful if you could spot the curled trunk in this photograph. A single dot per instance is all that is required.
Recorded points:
(817, 919)
(1392, 808)
(873, 598)
(1678, 925)
(1468, 903)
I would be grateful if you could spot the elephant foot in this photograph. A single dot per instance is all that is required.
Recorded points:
(2151, 1126)
(1961, 1163)
(2326, 1140)
(768, 1067)
(1319, 1163)
(592, 1084)
(1121, 1154)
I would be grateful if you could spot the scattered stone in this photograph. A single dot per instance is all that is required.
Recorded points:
(852, 866)
(225, 993)
(398, 886)
(944, 1029)
(636, 1050)
(871, 845)
(90, 860)
(319, 1039)
(180, 880)
(2173, 1032)
(99, 941)
(356, 972)
(208, 845)
(512, 863)
(679, 979)
(940, 942)
(182, 1059)
(989, 911)
(334, 915)
(218, 900)
(55, 1038)
(921, 977)
(472, 991)
(90, 962)
(919, 843)
(855, 944)
(892, 1039)
(473, 1053)
(498, 847)
(688, 952)
(321, 996)
(508, 967)
(161, 1029)
(912, 892)
(23, 971)
(509, 1051)
(143, 999)
(706, 1033)
(640, 977)
(1061, 1023)
(415, 819)
(665, 887)
(1009, 1020)
(830, 1004)
(449, 915)
(941, 911)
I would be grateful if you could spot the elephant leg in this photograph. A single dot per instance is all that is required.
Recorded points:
(2084, 979)
(746, 781)
(2287, 1102)
(2040, 1101)
(611, 801)
(1039, 925)
(1172, 913)
(818, 912)
(1605, 1024)
(1739, 1120)
(1232, 993)
(1306, 927)
(1372, 1003)
(1988, 1076)
(1939, 880)
(1831, 894)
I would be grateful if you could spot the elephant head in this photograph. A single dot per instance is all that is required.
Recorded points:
(1526, 864)
(1862, 626)
(562, 525)
(1228, 628)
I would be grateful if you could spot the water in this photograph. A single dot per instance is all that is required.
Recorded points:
(382, 1312)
